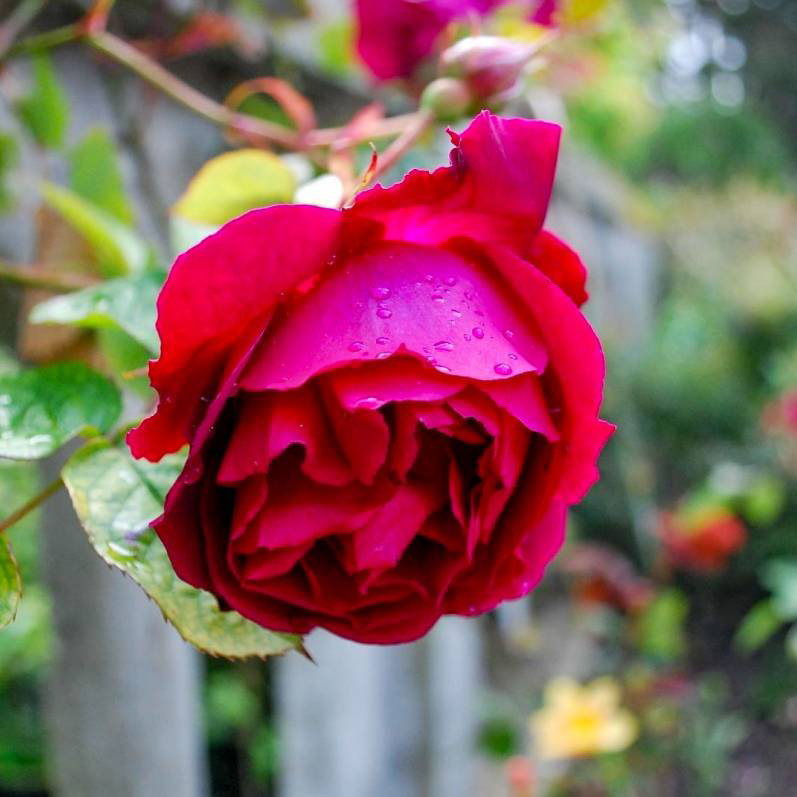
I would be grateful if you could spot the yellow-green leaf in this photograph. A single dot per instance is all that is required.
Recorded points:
(116, 498)
(232, 183)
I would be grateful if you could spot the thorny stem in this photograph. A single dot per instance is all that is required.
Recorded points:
(34, 503)
(37, 277)
(246, 125)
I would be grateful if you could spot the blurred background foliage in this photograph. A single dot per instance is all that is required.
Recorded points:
(681, 569)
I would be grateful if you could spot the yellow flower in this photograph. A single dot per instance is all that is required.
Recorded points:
(580, 720)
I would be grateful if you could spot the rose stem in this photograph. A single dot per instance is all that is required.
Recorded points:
(34, 503)
(36, 277)
(253, 128)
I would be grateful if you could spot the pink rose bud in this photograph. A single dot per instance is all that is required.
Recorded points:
(447, 98)
(490, 65)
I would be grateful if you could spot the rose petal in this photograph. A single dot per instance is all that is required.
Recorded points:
(497, 187)
(522, 397)
(214, 292)
(268, 423)
(561, 264)
(424, 301)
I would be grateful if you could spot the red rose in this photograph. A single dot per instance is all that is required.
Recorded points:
(389, 407)
(703, 538)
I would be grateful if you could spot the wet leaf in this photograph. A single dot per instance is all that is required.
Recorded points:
(41, 409)
(116, 498)
(126, 303)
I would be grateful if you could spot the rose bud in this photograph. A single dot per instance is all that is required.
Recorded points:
(489, 65)
(395, 36)
(447, 98)
(389, 407)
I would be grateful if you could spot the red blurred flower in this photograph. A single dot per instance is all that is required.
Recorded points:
(602, 576)
(389, 407)
(701, 538)
(395, 36)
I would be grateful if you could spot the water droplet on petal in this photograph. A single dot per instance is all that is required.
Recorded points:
(478, 333)
(476, 311)
(513, 356)
(502, 369)
(382, 341)
(468, 295)
(438, 297)
(383, 355)
(444, 345)
(450, 281)
(369, 403)
(383, 312)
(356, 345)
(467, 337)
(442, 369)
(429, 278)
(509, 334)
(381, 293)
(456, 313)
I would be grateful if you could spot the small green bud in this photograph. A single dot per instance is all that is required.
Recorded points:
(447, 98)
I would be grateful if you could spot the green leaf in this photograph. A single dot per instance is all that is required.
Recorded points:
(758, 625)
(126, 303)
(116, 498)
(10, 584)
(233, 183)
(45, 111)
(118, 249)
(41, 409)
(781, 578)
(661, 626)
(95, 176)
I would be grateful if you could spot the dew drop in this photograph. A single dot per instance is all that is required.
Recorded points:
(468, 295)
(442, 369)
(383, 312)
(369, 403)
(476, 311)
(509, 334)
(383, 341)
(513, 356)
(438, 297)
(356, 345)
(502, 369)
(383, 355)
(456, 313)
(444, 345)
(429, 278)
(478, 333)
(466, 336)
(450, 281)
(381, 293)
